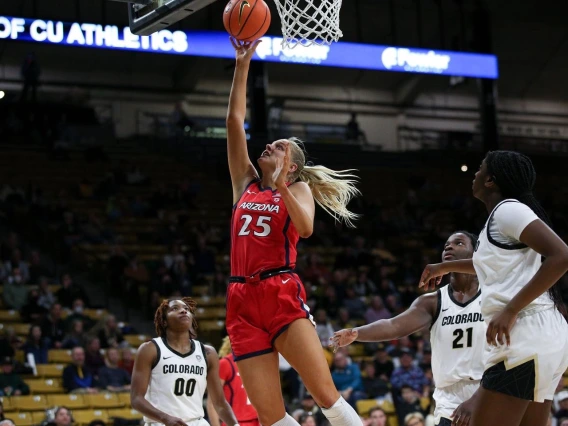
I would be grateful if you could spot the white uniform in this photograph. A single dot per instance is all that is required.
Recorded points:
(532, 366)
(178, 382)
(457, 337)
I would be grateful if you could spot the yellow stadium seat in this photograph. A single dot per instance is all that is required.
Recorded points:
(84, 417)
(392, 420)
(356, 350)
(59, 356)
(104, 400)
(20, 356)
(365, 405)
(50, 371)
(388, 406)
(30, 402)
(7, 404)
(71, 401)
(96, 314)
(22, 419)
(210, 325)
(41, 386)
(10, 316)
(124, 398)
(125, 413)
(136, 339)
(38, 417)
(19, 328)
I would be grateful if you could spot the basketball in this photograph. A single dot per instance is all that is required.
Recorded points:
(246, 20)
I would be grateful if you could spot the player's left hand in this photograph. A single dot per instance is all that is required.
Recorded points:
(280, 175)
(499, 328)
(462, 414)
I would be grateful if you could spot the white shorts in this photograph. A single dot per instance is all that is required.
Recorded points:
(450, 397)
(534, 363)
(196, 422)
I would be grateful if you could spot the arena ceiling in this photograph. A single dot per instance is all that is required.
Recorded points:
(529, 37)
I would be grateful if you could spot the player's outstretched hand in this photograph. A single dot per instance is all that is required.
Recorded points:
(462, 414)
(244, 49)
(342, 338)
(174, 421)
(499, 328)
(432, 276)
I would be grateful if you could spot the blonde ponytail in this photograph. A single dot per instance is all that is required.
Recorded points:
(225, 348)
(332, 189)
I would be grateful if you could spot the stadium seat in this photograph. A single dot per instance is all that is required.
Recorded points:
(20, 356)
(124, 398)
(96, 314)
(392, 420)
(38, 417)
(71, 401)
(50, 371)
(211, 313)
(104, 400)
(364, 405)
(42, 386)
(125, 413)
(84, 417)
(20, 329)
(7, 404)
(59, 356)
(30, 402)
(10, 316)
(136, 339)
(22, 419)
(356, 350)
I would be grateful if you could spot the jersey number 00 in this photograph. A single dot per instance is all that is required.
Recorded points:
(181, 387)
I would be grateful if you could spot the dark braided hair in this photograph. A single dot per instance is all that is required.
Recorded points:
(515, 176)
(472, 237)
(160, 319)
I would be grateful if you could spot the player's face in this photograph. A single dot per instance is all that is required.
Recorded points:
(273, 153)
(457, 247)
(178, 315)
(481, 177)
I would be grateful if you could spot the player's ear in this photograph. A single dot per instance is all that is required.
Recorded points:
(293, 168)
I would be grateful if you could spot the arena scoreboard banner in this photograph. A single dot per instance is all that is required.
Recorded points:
(216, 44)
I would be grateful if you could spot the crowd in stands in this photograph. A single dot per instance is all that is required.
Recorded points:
(351, 278)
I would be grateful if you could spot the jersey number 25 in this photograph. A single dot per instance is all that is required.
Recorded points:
(261, 224)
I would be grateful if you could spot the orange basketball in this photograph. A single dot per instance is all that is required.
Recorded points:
(246, 20)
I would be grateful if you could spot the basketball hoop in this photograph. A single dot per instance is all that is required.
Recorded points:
(308, 22)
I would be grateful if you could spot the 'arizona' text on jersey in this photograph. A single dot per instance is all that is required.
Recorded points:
(263, 236)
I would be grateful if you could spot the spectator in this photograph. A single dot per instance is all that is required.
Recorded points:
(343, 320)
(6, 422)
(309, 406)
(53, 327)
(408, 374)
(8, 246)
(36, 269)
(136, 275)
(76, 336)
(77, 377)
(46, 298)
(110, 335)
(16, 262)
(117, 262)
(377, 310)
(78, 315)
(347, 379)
(111, 376)
(37, 345)
(307, 419)
(61, 417)
(374, 386)
(364, 285)
(11, 384)
(409, 403)
(173, 256)
(32, 311)
(561, 399)
(377, 417)
(353, 303)
(70, 292)
(414, 419)
(15, 291)
(324, 328)
(93, 358)
(127, 361)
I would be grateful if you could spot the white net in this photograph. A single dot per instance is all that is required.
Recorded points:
(308, 22)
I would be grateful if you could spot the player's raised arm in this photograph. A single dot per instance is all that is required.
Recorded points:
(215, 389)
(241, 168)
(146, 357)
(420, 314)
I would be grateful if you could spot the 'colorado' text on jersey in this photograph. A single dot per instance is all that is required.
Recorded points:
(178, 381)
(262, 235)
(457, 339)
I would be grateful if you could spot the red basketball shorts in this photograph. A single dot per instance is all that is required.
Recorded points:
(257, 313)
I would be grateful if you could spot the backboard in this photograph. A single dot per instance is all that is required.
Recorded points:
(148, 16)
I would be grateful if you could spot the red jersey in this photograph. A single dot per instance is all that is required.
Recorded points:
(263, 236)
(234, 390)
